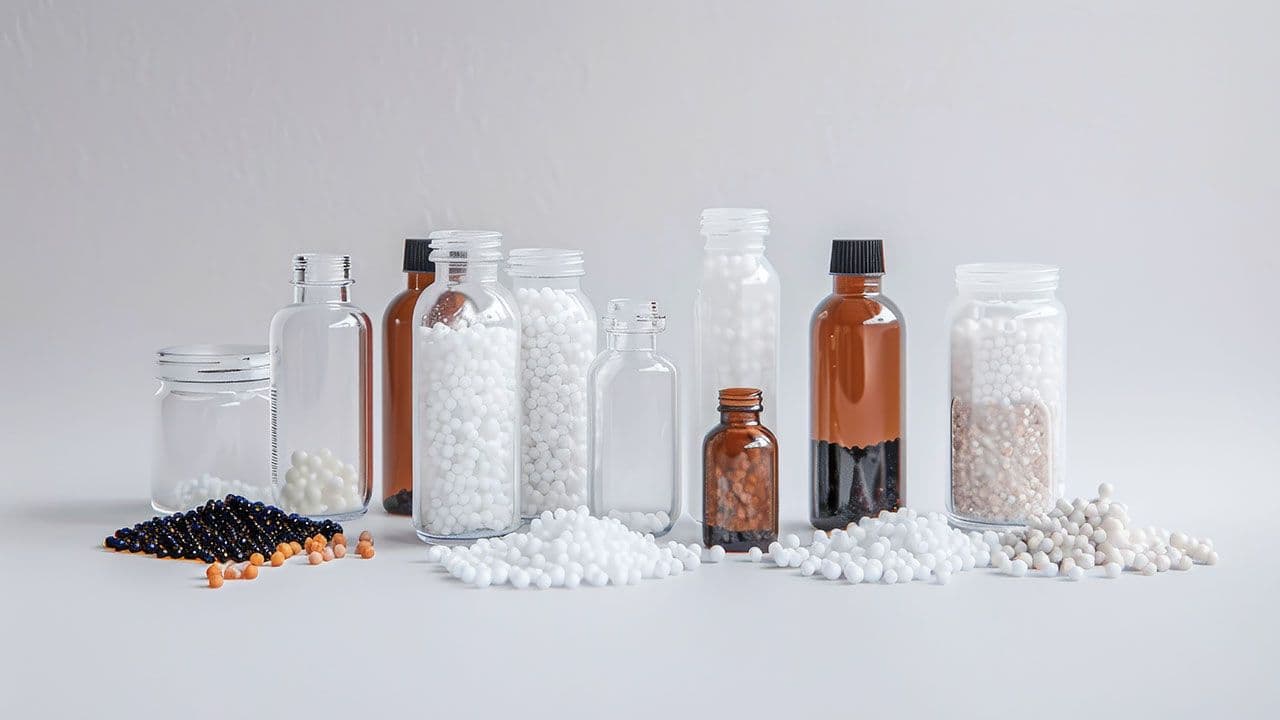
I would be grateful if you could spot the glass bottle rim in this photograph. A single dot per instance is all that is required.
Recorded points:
(465, 246)
(1007, 276)
(741, 399)
(324, 269)
(232, 363)
(627, 316)
(725, 221)
(545, 262)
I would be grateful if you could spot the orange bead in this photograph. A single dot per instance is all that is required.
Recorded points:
(215, 581)
(339, 551)
(250, 572)
(214, 569)
(366, 536)
(315, 558)
(256, 559)
(327, 554)
(367, 552)
(339, 539)
(296, 547)
(277, 559)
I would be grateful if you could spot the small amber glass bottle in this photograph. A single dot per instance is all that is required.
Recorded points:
(397, 380)
(740, 476)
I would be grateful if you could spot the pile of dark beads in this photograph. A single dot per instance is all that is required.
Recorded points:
(400, 503)
(737, 540)
(218, 531)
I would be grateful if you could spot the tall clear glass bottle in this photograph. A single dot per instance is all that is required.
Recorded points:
(635, 448)
(322, 393)
(397, 379)
(857, 391)
(557, 347)
(466, 388)
(736, 320)
(1008, 392)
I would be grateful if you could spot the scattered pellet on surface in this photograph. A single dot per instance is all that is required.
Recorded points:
(315, 558)
(250, 572)
(257, 559)
(339, 551)
(277, 559)
(215, 581)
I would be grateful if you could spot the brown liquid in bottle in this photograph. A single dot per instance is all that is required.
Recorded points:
(857, 391)
(740, 476)
(397, 388)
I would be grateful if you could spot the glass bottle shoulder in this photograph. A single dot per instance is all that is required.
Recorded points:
(334, 315)
(848, 310)
(448, 302)
(612, 363)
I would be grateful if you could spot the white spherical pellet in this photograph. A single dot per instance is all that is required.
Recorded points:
(755, 554)
(853, 573)
(791, 541)
(715, 553)
(1018, 568)
(321, 484)
(1112, 569)
(1076, 573)
(889, 577)
(830, 570)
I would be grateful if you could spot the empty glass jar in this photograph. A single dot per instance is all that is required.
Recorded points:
(557, 346)
(635, 449)
(1008, 382)
(212, 410)
(466, 385)
(739, 476)
(322, 393)
(736, 319)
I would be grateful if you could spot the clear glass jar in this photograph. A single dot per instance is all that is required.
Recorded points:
(212, 410)
(740, 476)
(466, 382)
(736, 319)
(322, 393)
(557, 347)
(635, 448)
(1008, 382)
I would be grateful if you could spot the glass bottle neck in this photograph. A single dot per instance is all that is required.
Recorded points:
(631, 341)
(321, 293)
(855, 284)
(740, 417)
(462, 271)
(420, 280)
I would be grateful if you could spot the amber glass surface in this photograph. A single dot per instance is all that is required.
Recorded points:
(739, 476)
(856, 401)
(397, 396)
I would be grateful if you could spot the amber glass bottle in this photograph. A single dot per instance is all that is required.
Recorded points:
(739, 476)
(856, 391)
(397, 380)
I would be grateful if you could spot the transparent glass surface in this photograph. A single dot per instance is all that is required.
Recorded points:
(635, 439)
(321, 403)
(466, 383)
(210, 441)
(1008, 387)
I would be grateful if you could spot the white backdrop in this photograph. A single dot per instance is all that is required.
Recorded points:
(162, 161)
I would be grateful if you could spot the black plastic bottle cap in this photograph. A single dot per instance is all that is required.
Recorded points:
(857, 257)
(417, 256)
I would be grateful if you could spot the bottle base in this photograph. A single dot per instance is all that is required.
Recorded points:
(737, 540)
(970, 524)
(431, 539)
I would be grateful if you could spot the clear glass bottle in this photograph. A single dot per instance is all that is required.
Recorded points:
(1008, 387)
(466, 387)
(212, 409)
(397, 379)
(322, 393)
(856, 392)
(557, 347)
(740, 476)
(736, 319)
(635, 448)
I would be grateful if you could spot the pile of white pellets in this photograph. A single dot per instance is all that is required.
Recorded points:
(1076, 536)
(557, 346)
(320, 483)
(468, 410)
(568, 548)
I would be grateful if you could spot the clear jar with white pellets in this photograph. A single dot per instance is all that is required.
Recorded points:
(557, 346)
(466, 385)
(736, 320)
(213, 405)
(635, 448)
(322, 393)
(1008, 383)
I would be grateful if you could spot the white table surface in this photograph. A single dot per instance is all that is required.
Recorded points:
(90, 633)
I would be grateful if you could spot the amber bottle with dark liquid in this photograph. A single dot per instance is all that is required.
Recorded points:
(397, 380)
(856, 387)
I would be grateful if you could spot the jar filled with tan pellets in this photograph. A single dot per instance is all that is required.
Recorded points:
(740, 476)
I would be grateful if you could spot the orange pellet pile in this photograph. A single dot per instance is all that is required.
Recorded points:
(317, 550)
